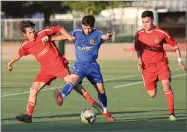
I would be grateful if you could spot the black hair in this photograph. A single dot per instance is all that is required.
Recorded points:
(88, 20)
(26, 24)
(147, 14)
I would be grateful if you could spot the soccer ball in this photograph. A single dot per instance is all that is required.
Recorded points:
(88, 116)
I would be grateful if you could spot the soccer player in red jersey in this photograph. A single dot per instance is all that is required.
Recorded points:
(52, 64)
(153, 61)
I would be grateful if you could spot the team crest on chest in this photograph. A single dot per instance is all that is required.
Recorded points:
(91, 41)
(157, 40)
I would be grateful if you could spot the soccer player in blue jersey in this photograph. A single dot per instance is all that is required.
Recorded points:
(87, 41)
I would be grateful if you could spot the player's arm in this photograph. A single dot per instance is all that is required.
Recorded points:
(137, 48)
(172, 42)
(62, 37)
(66, 34)
(107, 36)
(14, 59)
(52, 34)
(178, 52)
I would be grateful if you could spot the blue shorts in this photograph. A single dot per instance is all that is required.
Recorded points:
(89, 70)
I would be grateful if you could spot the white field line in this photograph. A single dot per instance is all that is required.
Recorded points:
(139, 82)
(13, 94)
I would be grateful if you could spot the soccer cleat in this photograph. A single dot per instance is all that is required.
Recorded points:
(24, 118)
(108, 116)
(58, 97)
(172, 117)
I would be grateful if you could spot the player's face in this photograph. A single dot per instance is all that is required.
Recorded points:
(30, 33)
(87, 29)
(147, 23)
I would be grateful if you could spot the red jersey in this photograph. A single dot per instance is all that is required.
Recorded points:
(45, 53)
(150, 45)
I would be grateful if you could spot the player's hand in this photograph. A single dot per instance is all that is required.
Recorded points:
(10, 68)
(181, 64)
(110, 33)
(140, 64)
(45, 39)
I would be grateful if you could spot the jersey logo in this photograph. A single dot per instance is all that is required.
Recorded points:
(91, 41)
(157, 41)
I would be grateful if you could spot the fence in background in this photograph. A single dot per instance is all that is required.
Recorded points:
(123, 32)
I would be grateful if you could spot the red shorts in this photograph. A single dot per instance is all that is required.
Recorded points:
(154, 72)
(58, 69)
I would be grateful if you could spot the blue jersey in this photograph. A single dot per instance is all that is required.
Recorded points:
(87, 46)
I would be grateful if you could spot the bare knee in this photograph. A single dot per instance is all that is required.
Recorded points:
(100, 88)
(151, 93)
(36, 88)
(166, 85)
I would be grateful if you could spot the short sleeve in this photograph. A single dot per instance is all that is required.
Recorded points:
(169, 39)
(50, 31)
(100, 33)
(22, 51)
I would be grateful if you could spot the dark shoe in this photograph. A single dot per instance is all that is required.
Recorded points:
(24, 118)
(58, 97)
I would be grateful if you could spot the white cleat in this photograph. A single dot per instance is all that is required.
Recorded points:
(172, 117)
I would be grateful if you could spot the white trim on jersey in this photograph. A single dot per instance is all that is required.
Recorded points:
(23, 44)
(163, 32)
(76, 30)
(99, 31)
(44, 30)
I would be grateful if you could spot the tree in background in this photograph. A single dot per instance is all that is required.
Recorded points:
(22, 8)
(91, 7)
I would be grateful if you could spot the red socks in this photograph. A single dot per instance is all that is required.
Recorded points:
(170, 101)
(30, 108)
(88, 98)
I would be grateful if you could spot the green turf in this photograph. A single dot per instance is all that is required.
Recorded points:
(131, 106)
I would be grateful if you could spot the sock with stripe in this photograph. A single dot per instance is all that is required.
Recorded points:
(67, 90)
(170, 101)
(30, 108)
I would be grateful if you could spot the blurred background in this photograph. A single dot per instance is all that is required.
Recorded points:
(122, 17)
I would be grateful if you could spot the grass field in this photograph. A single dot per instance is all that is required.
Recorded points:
(127, 101)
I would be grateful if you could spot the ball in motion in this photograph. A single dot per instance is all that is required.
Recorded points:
(88, 116)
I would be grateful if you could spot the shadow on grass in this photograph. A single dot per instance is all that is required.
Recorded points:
(123, 123)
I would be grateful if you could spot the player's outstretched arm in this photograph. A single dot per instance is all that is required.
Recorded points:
(107, 36)
(181, 64)
(14, 59)
(61, 37)
(66, 34)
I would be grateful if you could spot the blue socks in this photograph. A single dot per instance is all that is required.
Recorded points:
(67, 89)
(103, 99)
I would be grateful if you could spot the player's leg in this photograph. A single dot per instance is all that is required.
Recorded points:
(71, 79)
(165, 77)
(41, 80)
(80, 89)
(150, 79)
(95, 77)
(102, 98)
(36, 87)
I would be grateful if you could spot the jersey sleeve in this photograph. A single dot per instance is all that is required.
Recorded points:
(23, 51)
(137, 45)
(72, 33)
(100, 33)
(169, 39)
(50, 31)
